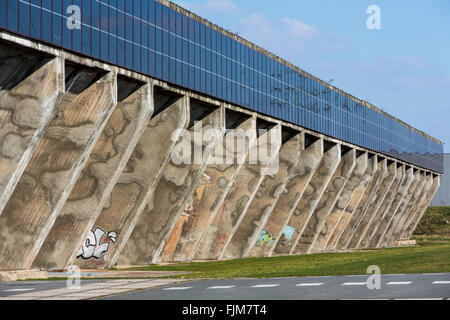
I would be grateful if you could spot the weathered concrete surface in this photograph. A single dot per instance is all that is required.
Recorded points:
(385, 205)
(138, 180)
(259, 210)
(426, 185)
(302, 174)
(238, 199)
(17, 275)
(373, 213)
(388, 237)
(385, 221)
(358, 195)
(342, 203)
(101, 172)
(363, 205)
(190, 229)
(326, 203)
(412, 205)
(428, 197)
(310, 199)
(52, 172)
(171, 197)
(25, 111)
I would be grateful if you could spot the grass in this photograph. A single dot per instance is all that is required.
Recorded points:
(436, 221)
(427, 257)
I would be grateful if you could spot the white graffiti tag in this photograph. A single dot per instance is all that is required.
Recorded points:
(93, 247)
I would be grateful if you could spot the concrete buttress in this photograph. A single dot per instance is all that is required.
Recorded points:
(139, 178)
(412, 205)
(171, 198)
(27, 104)
(356, 198)
(53, 170)
(363, 205)
(240, 196)
(426, 185)
(373, 212)
(425, 202)
(390, 213)
(259, 210)
(310, 198)
(327, 202)
(303, 171)
(189, 230)
(342, 203)
(388, 237)
(101, 172)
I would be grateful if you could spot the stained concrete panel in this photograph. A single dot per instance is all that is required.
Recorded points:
(25, 111)
(261, 207)
(190, 229)
(373, 209)
(381, 211)
(52, 172)
(363, 205)
(342, 203)
(385, 221)
(138, 181)
(171, 197)
(276, 224)
(238, 199)
(101, 172)
(327, 202)
(358, 195)
(425, 184)
(388, 237)
(428, 197)
(310, 199)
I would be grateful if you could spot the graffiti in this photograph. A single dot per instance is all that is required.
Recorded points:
(288, 233)
(94, 245)
(265, 238)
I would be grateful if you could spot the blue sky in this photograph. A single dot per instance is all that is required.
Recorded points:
(404, 68)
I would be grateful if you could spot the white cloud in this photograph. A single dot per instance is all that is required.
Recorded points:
(298, 29)
(289, 38)
(211, 8)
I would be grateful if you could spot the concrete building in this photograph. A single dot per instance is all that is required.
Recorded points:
(135, 132)
(442, 197)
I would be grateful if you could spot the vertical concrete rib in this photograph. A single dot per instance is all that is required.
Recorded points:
(356, 200)
(190, 229)
(373, 213)
(171, 197)
(364, 204)
(53, 170)
(139, 178)
(101, 172)
(238, 199)
(327, 202)
(342, 203)
(275, 227)
(385, 221)
(259, 210)
(382, 210)
(310, 199)
(428, 197)
(388, 237)
(426, 185)
(26, 107)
